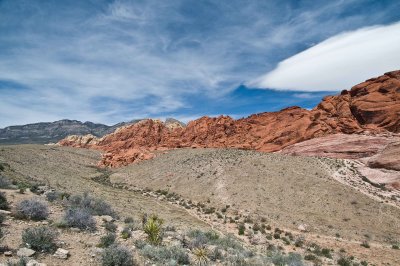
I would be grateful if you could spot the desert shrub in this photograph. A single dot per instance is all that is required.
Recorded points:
(153, 229)
(4, 182)
(80, 218)
(310, 257)
(21, 262)
(52, 196)
(107, 240)
(126, 233)
(299, 242)
(110, 226)
(129, 220)
(140, 244)
(241, 229)
(40, 238)
(32, 209)
(292, 259)
(395, 246)
(1, 167)
(326, 253)
(216, 254)
(34, 188)
(164, 255)
(117, 256)
(94, 205)
(3, 202)
(200, 238)
(343, 261)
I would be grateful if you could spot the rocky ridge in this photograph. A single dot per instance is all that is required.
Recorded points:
(370, 107)
(45, 132)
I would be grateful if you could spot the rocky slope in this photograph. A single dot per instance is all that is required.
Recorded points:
(46, 132)
(372, 106)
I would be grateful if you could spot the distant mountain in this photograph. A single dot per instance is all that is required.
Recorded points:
(46, 132)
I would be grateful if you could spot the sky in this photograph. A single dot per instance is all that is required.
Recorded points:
(112, 61)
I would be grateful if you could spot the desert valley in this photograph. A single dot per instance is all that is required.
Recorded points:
(199, 133)
(294, 187)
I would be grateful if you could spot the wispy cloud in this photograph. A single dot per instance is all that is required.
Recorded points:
(117, 60)
(339, 62)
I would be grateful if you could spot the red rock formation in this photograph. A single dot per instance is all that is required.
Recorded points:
(372, 106)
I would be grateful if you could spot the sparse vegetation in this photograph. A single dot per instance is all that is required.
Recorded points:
(110, 226)
(94, 205)
(107, 240)
(79, 218)
(117, 256)
(165, 255)
(32, 209)
(126, 233)
(40, 238)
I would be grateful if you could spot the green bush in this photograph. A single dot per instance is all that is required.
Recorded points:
(3, 202)
(40, 238)
(153, 229)
(117, 256)
(32, 209)
(126, 233)
(241, 228)
(107, 240)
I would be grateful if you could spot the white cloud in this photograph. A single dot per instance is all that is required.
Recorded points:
(338, 62)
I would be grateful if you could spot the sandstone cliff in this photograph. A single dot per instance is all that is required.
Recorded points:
(372, 106)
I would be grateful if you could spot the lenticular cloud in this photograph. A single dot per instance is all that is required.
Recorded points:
(338, 62)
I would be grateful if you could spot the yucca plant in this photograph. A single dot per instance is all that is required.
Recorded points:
(201, 256)
(153, 229)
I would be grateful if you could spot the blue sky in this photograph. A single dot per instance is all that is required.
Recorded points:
(112, 61)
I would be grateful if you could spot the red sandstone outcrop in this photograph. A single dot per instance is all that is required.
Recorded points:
(388, 158)
(372, 106)
(343, 146)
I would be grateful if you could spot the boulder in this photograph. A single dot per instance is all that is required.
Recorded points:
(35, 263)
(61, 253)
(25, 252)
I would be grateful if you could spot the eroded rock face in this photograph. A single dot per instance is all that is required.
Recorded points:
(372, 106)
(79, 141)
(342, 146)
(388, 158)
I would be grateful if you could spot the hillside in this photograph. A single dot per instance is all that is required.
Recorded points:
(372, 106)
(277, 198)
